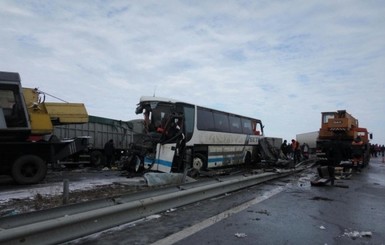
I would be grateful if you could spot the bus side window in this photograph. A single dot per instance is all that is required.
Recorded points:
(246, 126)
(221, 122)
(235, 124)
(205, 119)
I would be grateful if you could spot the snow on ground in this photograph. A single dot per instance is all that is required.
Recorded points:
(56, 188)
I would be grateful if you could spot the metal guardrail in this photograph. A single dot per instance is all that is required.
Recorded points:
(62, 226)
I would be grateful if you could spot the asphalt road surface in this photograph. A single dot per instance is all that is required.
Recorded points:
(316, 215)
(286, 211)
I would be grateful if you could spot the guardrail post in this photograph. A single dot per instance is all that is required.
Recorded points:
(65, 191)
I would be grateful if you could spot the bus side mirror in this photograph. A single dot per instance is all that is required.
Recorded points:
(139, 109)
(371, 136)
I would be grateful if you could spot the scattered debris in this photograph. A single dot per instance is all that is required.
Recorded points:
(160, 179)
(9, 212)
(240, 235)
(151, 217)
(343, 173)
(263, 212)
(366, 233)
(325, 175)
(357, 234)
(317, 198)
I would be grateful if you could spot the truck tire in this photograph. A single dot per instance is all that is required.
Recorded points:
(29, 169)
(96, 158)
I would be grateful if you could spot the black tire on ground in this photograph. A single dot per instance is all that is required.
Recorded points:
(96, 158)
(29, 169)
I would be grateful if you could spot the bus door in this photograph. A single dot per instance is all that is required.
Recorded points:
(171, 145)
(164, 157)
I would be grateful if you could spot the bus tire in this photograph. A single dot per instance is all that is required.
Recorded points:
(29, 169)
(199, 162)
(96, 158)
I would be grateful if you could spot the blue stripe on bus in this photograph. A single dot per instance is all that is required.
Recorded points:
(159, 162)
(210, 160)
(217, 159)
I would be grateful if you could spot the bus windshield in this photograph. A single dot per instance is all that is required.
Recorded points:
(156, 115)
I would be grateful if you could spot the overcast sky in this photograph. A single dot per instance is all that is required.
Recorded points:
(283, 62)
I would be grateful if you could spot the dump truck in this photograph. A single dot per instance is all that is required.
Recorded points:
(27, 145)
(335, 139)
(100, 130)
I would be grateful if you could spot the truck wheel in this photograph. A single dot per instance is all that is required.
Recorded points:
(96, 158)
(29, 169)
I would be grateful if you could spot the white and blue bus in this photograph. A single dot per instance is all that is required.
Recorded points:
(180, 136)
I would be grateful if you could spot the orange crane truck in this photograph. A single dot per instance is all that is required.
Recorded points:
(335, 140)
(27, 145)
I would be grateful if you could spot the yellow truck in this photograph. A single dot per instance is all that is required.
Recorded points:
(27, 144)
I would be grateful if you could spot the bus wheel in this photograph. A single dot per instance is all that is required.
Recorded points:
(96, 158)
(199, 162)
(29, 169)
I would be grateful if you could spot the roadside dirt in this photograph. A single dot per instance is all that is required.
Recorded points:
(99, 185)
(41, 202)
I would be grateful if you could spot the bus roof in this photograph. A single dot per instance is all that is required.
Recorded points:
(168, 100)
(160, 99)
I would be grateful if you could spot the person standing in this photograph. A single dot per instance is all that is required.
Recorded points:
(305, 150)
(296, 151)
(109, 150)
(383, 150)
(284, 148)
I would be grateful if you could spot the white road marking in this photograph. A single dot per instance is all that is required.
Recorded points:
(176, 237)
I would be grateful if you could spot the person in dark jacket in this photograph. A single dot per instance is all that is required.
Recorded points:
(284, 148)
(109, 150)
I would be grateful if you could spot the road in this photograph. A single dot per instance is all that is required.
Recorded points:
(286, 211)
(316, 215)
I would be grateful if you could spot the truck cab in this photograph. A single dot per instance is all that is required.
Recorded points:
(14, 123)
